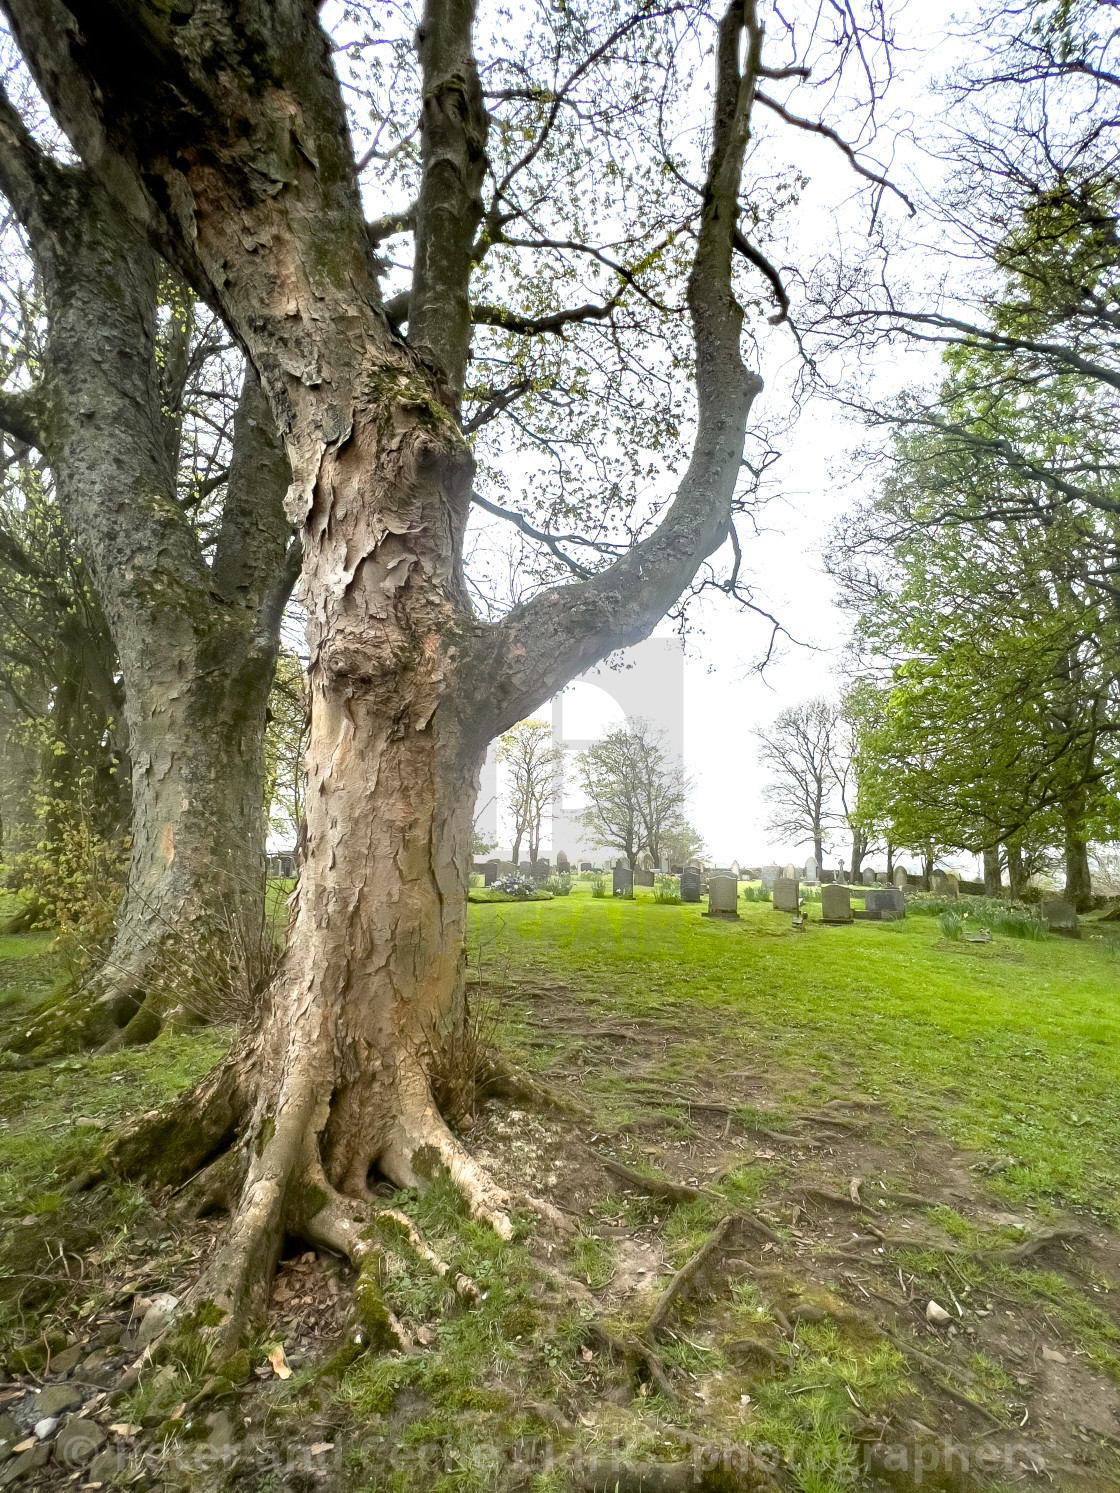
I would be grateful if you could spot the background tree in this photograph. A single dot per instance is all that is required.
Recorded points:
(635, 793)
(252, 192)
(858, 715)
(194, 616)
(532, 767)
(800, 749)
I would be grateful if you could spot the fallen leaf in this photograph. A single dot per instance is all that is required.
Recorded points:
(318, 1447)
(122, 1428)
(177, 1413)
(279, 1364)
(24, 1446)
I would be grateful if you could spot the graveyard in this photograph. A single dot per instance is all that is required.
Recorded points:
(909, 1142)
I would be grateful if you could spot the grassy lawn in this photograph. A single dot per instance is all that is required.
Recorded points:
(1012, 1048)
(680, 1048)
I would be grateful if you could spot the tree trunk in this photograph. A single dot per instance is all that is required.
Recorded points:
(859, 851)
(406, 684)
(1016, 873)
(1079, 882)
(196, 644)
(992, 883)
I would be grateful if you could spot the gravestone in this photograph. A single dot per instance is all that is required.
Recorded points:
(790, 872)
(786, 891)
(868, 877)
(901, 877)
(768, 876)
(623, 885)
(723, 897)
(690, 884)
(508, 868)
(943, 885)
(884, 905)
(811, 872)
(828, 877)
(675, 870)
(664, 865)
(643, 878)
(586, 866)
(735, 871)
(490, 873)
(836, 904)
(1061, 917)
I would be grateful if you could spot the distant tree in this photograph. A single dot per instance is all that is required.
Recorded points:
(859, 709)
(635, 791)
(799, 748)
(285, 744)
(533, 764)
(682, 844)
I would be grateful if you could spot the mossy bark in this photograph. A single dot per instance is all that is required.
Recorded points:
(195, 642)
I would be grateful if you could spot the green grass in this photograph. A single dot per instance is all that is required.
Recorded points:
(1010, 1048)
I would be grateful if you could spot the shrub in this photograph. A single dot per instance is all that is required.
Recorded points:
(560, 885)
(598, 885)
(952, 924)
(666, 888)
(756, 894)
(1020, 925)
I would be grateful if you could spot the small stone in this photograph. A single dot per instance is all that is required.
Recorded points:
(69, 1358)
(21, 1466)
(937, 1314)
(221, 1430)
(105, 1466)
(56, 1399)
(78, 1441)
(157, 1318)
(1052, 1355)
(9, 1435)
(111, 1333)
(45, 1429)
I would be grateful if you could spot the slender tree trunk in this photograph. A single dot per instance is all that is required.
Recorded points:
(1016, 874)
(1079, 882)
(196, 644)
(992, 883)
(927, 871)
(890, 861)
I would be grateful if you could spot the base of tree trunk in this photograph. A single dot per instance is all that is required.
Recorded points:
(273, 1180)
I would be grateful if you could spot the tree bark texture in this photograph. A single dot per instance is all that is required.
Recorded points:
(992, 882)
(226, 138)
(196, 644)
(1079, 882)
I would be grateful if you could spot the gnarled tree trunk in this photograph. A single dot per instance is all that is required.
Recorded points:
(196, 644)
(251, 189)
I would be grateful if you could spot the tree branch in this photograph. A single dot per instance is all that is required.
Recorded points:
(21, 416)
(563, 631)
(816, 127)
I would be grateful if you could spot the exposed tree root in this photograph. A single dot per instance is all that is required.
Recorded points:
(736, 1232)
(634, 1351)
(500, 1080)
(658, 1187)
(1030, 1247)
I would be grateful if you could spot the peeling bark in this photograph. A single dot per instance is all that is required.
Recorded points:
(226, 139)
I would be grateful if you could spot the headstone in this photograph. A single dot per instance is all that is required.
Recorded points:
(790, 872)
(643, 878)
(623, 885)
(943, 885)
(675, 870)
(868, 877)
(690, 884)
(735, 870)
(836, 904)
(585, 866)
(884, 905)
(786, 891)
(490, 873)
(901, 877)
(1061, 917)
(768, 876)
(811, 877)
(664, 865)
(508, 868)
(828, 877)
(723, 897)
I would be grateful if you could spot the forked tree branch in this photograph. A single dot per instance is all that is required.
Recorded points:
(542, 644)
